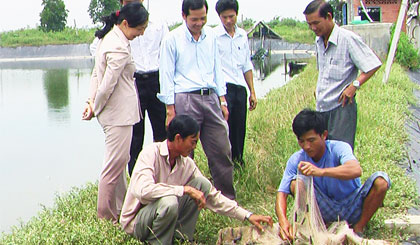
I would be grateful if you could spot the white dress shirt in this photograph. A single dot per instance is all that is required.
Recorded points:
(235, 55)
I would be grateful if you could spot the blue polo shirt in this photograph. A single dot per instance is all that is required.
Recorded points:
(336, 153)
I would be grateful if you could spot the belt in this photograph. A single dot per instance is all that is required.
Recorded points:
(146, 75)
(203, 91)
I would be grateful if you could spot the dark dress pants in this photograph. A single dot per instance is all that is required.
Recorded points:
(147, 88)
(236, 98)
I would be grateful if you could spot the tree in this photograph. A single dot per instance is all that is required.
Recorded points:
(53, 16)
(99, 8)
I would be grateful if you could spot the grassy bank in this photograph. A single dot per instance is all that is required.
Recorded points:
(270, 141)
(36, 37)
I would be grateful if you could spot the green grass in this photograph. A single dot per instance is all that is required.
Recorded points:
(36, 37)
(270, 141)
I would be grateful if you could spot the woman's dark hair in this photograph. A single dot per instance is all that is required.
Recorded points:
(223, 5)
(321, 6)
(188, 5)
(306, 120)
(183, 125)
(134, 13)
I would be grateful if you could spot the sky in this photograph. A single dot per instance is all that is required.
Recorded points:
(25, 13)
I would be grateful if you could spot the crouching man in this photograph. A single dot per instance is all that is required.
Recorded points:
(167, 190)
(336, 173)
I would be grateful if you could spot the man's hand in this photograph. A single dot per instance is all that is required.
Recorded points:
(308, 169)
(347, 95)
(252, 101)
(286, 230)
(170, 114)
(256, 220)
(196, 195)
(225, 110)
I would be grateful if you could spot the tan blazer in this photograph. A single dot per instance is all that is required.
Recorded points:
(112, 86)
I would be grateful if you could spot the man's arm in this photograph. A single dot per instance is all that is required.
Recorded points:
(350, 91)
(349, 170)
(286, 232)
(249, 78)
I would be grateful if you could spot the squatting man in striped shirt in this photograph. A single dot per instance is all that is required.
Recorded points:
(336, 177)
(340, 55)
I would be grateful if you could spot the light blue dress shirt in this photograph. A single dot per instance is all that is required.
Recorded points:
(187, 65)
(235, 55)
(338, 65)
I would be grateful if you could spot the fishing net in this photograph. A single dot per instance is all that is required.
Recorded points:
(306, 220)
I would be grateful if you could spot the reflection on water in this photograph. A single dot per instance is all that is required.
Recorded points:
(56, 88)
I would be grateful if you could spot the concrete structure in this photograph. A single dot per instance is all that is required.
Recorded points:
(386, 11)
(410, 222)
(375, 35)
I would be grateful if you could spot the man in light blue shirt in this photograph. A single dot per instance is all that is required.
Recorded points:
(237, 73)
(191, 83)
(340, 56)
(336, 177)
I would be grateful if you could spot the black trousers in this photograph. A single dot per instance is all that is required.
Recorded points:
(147, 88)
(236, 98)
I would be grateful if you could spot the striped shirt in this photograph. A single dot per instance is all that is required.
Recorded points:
(338, 65)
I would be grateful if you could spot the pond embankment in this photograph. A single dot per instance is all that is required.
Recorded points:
(48, 52)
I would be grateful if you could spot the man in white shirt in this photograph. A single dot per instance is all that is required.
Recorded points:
(145, 51)
(192, 83)
(237, 73)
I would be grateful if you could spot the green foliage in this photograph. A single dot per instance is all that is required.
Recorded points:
(292, 30)
(53, 16)
(336, 5)
(407, 55)
(99, 8)
(247, 23)
(175, 25)
(269, 143)
(36, 37)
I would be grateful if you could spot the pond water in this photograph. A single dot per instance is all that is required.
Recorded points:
(45, 147)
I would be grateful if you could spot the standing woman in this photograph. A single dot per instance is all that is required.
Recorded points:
(114, 101)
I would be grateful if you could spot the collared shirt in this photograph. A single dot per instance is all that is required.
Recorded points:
(336, 154)
(187, 65)
(154, 178)
(145, 49)
(235, 55)
(338, 65)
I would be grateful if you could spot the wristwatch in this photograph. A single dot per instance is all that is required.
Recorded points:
(356, 84)
(223, 103)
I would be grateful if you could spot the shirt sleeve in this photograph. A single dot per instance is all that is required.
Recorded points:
(362, 55)
(115, 64)
(247, 63)
(344, 152)
(167, 65)
(218, 73)
(290, 173)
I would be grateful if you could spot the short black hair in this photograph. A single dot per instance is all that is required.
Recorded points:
(321, 6)
(188, 5)
(183, 125)
(306, 120)
(223, 5)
